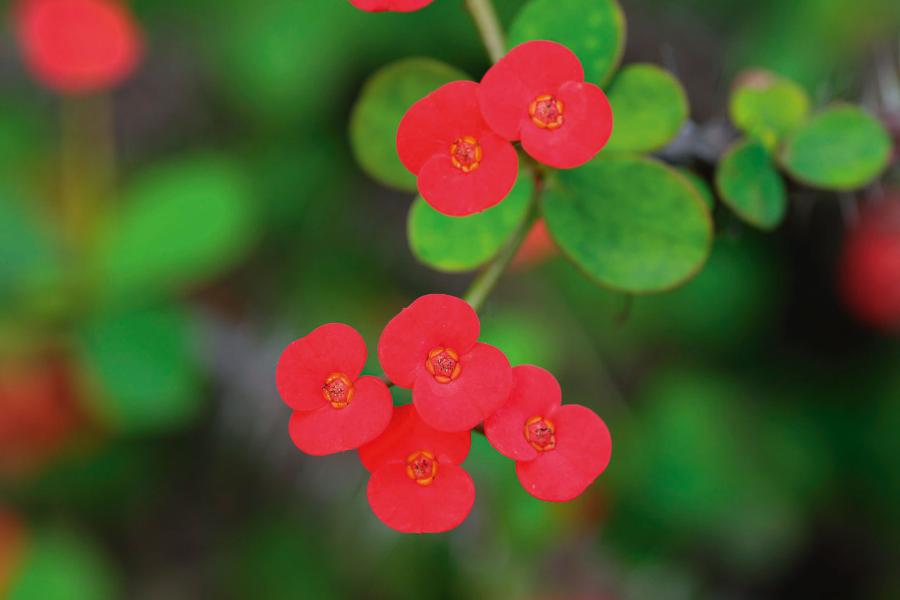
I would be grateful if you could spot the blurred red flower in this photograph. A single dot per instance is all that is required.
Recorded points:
(78, 46)
(432, 348)
(462, 166)
(390, 5)
(417, 485)
(537, 94)
(334, 408)
(559, 450)
(870, 266)
(537, 247)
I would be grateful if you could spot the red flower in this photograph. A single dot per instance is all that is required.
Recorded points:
(559, 450)
(334, 408)
(390, 5)
(870, 266)
(537, 94)
(417, 485)
(537, 247)
(432, 347)
(78, 46)
(462, 166)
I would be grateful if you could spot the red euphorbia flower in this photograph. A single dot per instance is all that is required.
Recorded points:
(463, 167)
(559, 450)
(537, 247)
(432, 347)
(537, 94)
(390, 5)
(417, 485)
(78, 46)
(870, 266)
(334, 408)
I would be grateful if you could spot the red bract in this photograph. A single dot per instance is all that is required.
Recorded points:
(334, 408)
(537, 247)
(390, 5)
(537, 94)
(462, 166)
(432, 347)
(870, 267)
(78, 46)
(559, 450)
(417, 485)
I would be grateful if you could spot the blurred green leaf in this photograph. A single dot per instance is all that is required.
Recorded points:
(384, 100)
(767, 106)
(62, 565)
(700, 184)
(455, 244)
(749, 185)
(525, 338)
(634, 224)
(841, 148)
(594, 30)
(26, 248)
(143, 370)
(649, 107)
(180, 223)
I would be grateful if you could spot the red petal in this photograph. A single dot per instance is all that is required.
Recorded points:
(587, 127)
(527, 71)
(482, 388)
(390, 5)
(432, 321)
(583, 449)
(306, 363)
(458, 194)
(329, 430)
(406, 434)
(408, 507)
(535, 393)
(77, 46)
(432, 124)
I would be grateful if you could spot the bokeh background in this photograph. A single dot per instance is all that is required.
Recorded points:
(144, 451)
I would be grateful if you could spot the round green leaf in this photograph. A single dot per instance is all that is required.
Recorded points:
(58, 565)
(180, 223)
(649, 108)
(767, 106)
(386, 97)
(841, 148)
(142, 367)
(751, 187)
(634, 224)
(455, 244)
(594, 30)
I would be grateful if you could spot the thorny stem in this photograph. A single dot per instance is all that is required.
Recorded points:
(489, 28)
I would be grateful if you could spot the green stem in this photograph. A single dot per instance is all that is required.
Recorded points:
(485, 17)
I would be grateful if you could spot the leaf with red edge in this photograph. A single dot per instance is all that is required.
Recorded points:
(408, 433)
(328, 430)
(306, 363)
(431, 321)
(404, 505)
(78, 46)
(582, 452)
(481, 388)
(527, 71)
(535, 393)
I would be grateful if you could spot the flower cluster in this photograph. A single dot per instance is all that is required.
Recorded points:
(414, 452)
(458, 139)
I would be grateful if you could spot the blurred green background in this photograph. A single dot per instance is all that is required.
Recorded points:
(144, 451)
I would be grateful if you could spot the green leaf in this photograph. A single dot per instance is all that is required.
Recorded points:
(142, 367)
(649, 107)
(594, 30)
(58, 565)
(632, 223)
(767, 106)
(386, 97)
(455, 244)
(702, 187)
(180, 223)
(751, 187)
(841, 148)
(28, 252)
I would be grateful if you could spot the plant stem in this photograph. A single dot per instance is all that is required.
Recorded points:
(485, 17)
